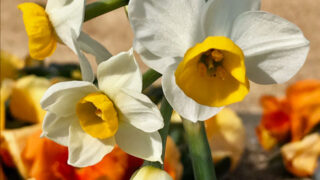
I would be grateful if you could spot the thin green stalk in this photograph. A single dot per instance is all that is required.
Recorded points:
(199, 150)
(166, 112)
(98, 8)
(149, 77)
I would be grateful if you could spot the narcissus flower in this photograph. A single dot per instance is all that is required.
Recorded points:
(91, 120)
(207, 51)
(150, 173)
(61, 21)
(301, 157)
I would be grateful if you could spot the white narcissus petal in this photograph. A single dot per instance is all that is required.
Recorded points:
(56, 128)
(89, 45)
(166, 28)
(274, 48)
(182, 104)
(61, 98)
(155, 62)
(218, 16)
(120, 71)
(138, 110)
(85, 150)
(66, 17)
(140, 144)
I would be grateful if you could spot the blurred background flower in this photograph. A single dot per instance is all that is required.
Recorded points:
(292, 117)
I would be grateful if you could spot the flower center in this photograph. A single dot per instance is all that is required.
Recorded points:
(97, 115)
(42, 38)
(210, 64)
(213, 72)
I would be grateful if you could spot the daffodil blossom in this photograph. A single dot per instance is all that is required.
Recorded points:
(207, 51)
(91, 120)
(61, 21)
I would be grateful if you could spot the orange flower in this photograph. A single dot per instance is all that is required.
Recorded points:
(290, 118)
(46, 159)
(275, 122)
(117, 165)
(172, 162)
(304, 98)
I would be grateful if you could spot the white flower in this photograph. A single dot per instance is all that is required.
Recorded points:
(60, 21)
(91, 120)
(150, 173)
(207, 51)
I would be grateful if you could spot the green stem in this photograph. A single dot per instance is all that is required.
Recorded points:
(98, 8)
(166, 112)
(149, 77)
(199, 150)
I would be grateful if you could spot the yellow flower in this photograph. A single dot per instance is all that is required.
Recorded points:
(301, 157)
(226, 136)
(25, 98)
(10, 65)
(5, 91)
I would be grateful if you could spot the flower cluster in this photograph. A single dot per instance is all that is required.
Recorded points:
(290, 121)
(206, 52)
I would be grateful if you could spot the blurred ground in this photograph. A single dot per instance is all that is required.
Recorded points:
(113, 31)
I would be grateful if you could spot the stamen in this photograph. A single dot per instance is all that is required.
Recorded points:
(98, 112)
(221, 72)
(216, 55)
(210, 64)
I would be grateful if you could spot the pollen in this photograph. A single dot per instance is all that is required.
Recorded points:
(210, 64)
(217, 55)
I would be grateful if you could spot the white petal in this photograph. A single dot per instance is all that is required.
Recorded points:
(57, 128)
(274, 48)
(138, 110)
(85, 150)
(89, 45)
(61, 98)
(66, 16)
(166, 28)
(140, 144)
(155, 62)
(120, 71)
(218, 17)
(86, 70)
(182, 104)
